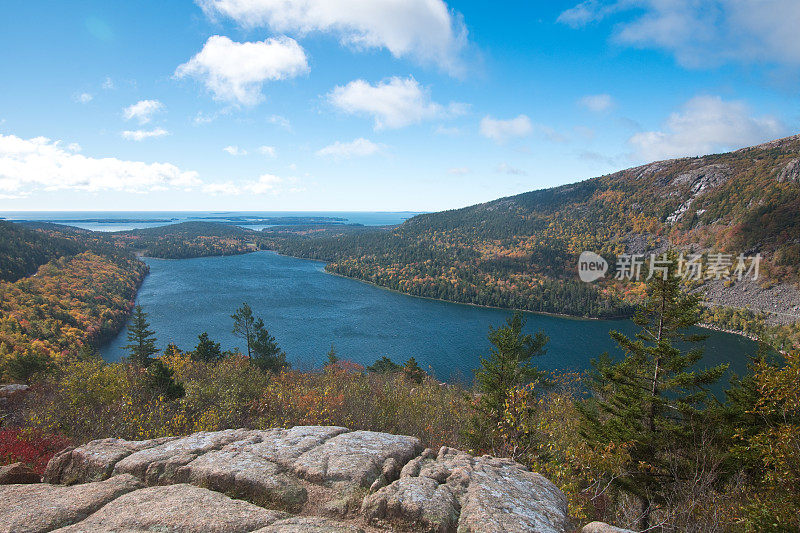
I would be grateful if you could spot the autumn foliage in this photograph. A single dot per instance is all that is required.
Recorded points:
(70, 302)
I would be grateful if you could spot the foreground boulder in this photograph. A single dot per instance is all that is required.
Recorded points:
(454, 490)
(179, 507)
(18, 473)
(303, 479)
(43, 507)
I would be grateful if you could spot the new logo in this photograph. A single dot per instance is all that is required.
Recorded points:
(591, 267)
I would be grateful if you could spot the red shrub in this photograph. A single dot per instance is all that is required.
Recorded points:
(29, 446)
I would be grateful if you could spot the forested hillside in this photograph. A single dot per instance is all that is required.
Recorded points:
(522, 251)
(22, 250)
(173, 241)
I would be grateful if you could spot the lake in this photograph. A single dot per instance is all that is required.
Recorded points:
(307, 309)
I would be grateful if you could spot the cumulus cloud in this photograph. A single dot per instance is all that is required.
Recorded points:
(704, 33)
(706, 124)
(344, 150)
(425, 30)
(142, 110)
(29, 165)
(502, 130)
(235, 150)
(140, 135)
(264, 184)
(597, 102)
(235, 72)
(393, 103)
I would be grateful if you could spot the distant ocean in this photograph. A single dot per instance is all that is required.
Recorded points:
(126, 220)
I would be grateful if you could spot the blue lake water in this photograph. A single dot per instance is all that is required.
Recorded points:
(307, 309)
(123, 220)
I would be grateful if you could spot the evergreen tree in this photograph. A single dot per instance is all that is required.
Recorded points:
(332, 357)
(141, 339)
(652, 400)
(159, 379)
(29, 365)
(508, 366)
(266, 353)
(412, 371)
(244, 326)
(206, 349)
(384, 365)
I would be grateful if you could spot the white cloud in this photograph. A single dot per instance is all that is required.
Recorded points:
(142, 110)
(268, 151)
(108, 84)
(393, 103)
(235, 72)
(706, 124)
(29, 165)
(458, 171)
(503, 130)
(264, 184)
(597, 102)
(278, 120)
(702, 33)
(588, 12)
(235, 150)
(505, 168)
(344, 150)
(425, 30)
(84, 98)
(140, 135)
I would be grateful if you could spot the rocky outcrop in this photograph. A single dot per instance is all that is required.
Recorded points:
(43, 507)
(452, 489)
(790, 172)
(18, 473)
(308, 478)
(602, 527)
(700, 180)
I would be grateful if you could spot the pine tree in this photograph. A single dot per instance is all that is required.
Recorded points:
(159, 379)
(141, 339)
(508, 366)
(332, 357)
(652, 400)
(266, 354)
(384, 365)
(412, 371)
(206, 349)
(244, 326)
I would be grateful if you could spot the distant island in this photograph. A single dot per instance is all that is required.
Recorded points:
(253, 220)
(101, 220)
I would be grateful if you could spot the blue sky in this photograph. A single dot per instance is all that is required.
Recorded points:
(374, 104)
